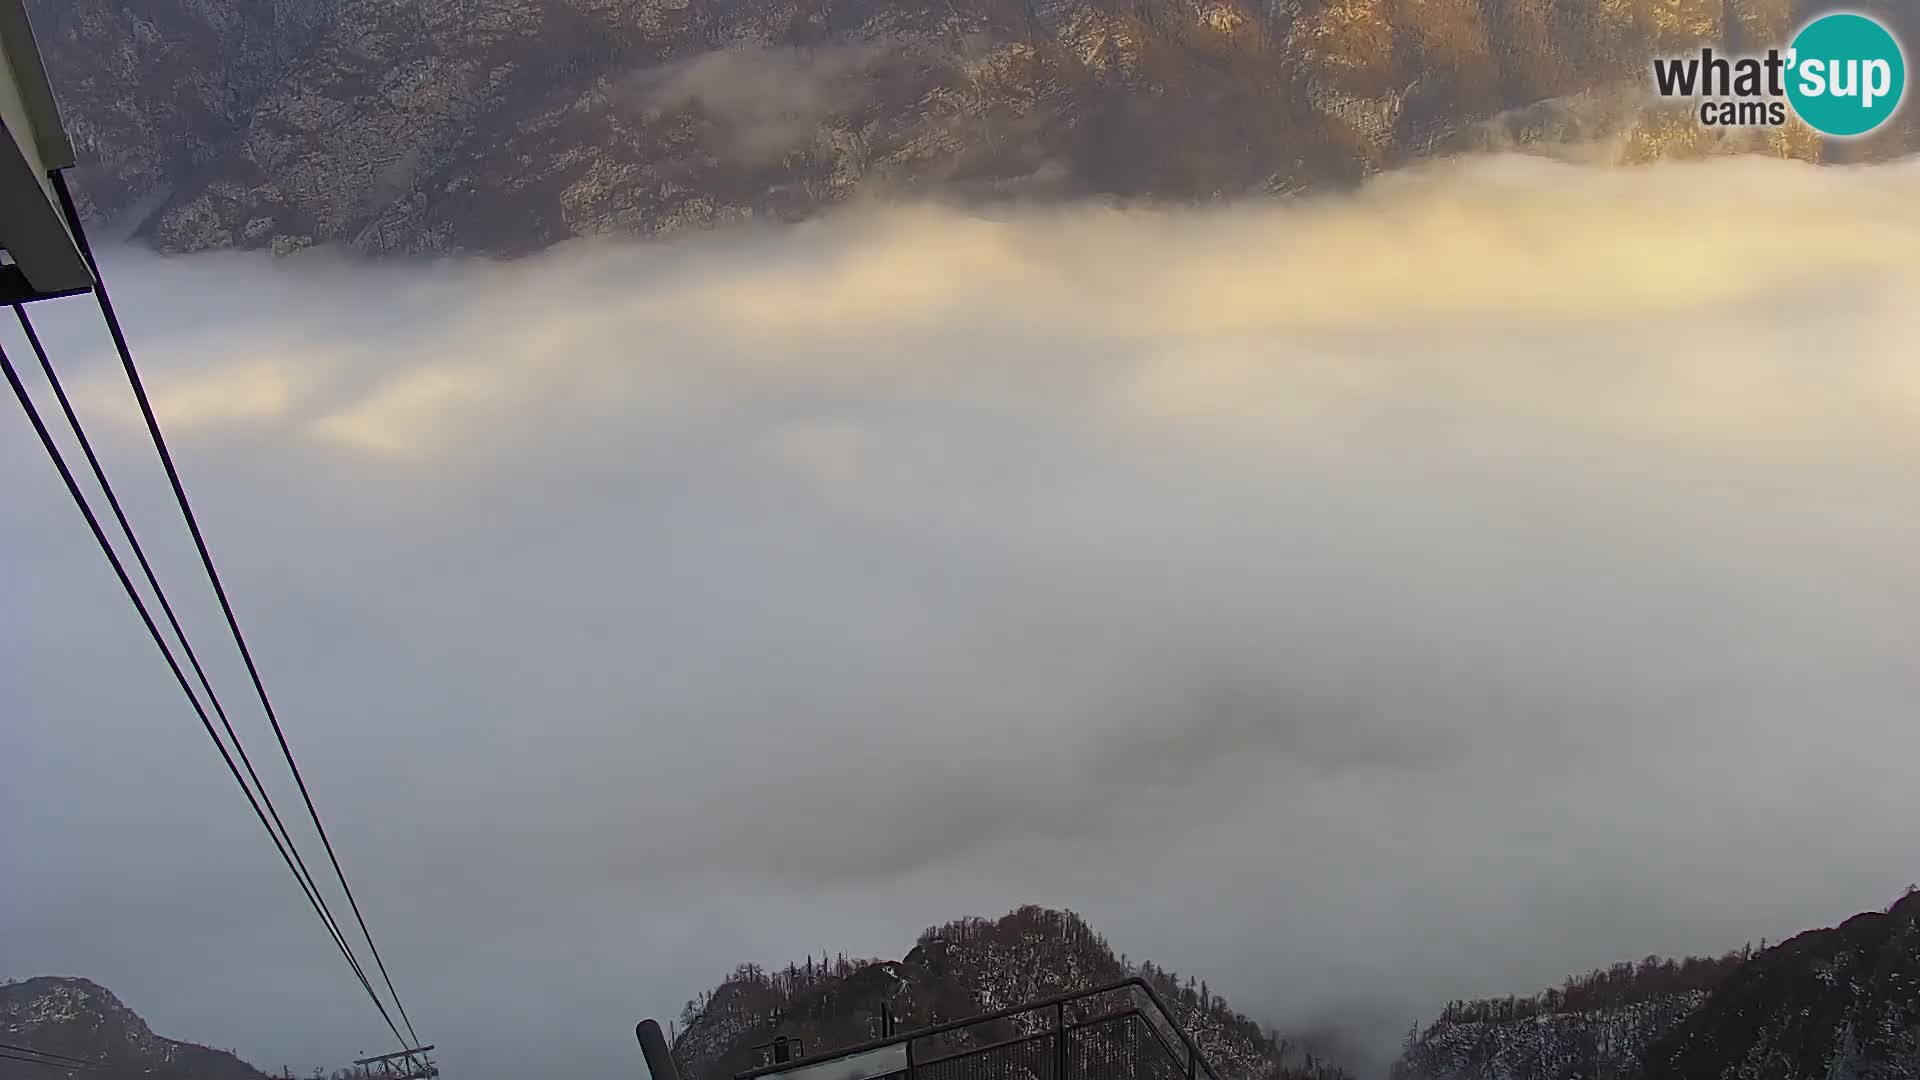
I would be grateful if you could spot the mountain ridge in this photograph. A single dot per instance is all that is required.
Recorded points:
(81, 1019)
(1841, 1003)
(505, 126)
(962, 968)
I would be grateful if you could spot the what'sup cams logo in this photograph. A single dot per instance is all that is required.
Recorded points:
(1844, 75)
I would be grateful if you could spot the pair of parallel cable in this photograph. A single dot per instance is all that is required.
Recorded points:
(10, 1052)
(243, 771)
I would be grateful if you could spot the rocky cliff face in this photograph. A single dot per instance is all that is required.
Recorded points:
(80, 1019)
(507, 125)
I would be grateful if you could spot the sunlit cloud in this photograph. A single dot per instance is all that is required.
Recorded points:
(1499, 570)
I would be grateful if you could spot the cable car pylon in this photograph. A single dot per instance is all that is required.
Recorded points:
(410, 1064)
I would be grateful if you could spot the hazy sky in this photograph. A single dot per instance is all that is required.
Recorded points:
(1359, 602)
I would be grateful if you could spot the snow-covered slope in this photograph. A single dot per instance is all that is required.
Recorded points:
(1837, 1004)
(82, 1019)
(1594, 1044)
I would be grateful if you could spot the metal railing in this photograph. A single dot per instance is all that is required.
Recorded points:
(1120, 1031)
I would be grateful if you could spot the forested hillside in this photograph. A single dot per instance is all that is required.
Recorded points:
(955, 970)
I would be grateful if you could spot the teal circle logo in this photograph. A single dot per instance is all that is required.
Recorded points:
(1846, 75)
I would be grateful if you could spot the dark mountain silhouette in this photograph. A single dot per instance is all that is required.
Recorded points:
(1595, 1026)
(1836, 1004)
(1841, 1003)
(81, 1019)
(963, 968)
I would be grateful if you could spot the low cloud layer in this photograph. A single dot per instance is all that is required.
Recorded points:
(1361, 601)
